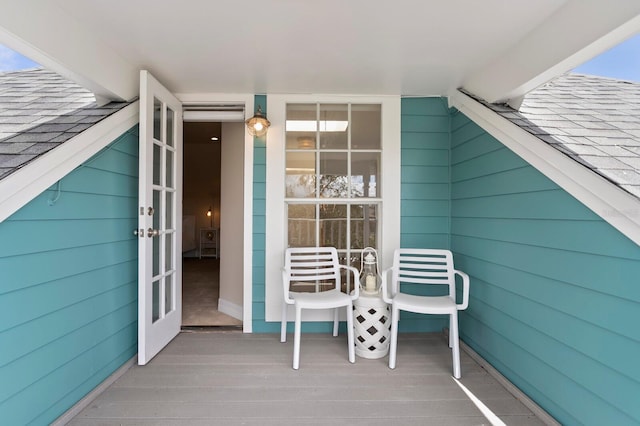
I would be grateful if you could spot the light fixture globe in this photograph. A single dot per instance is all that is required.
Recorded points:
(258, 124)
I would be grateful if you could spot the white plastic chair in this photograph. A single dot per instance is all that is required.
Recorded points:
(425, 267)
(316, 268)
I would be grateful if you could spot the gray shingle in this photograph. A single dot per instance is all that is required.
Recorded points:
(594, 120)
(39, 110)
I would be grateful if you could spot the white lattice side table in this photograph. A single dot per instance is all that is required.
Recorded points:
(371, 322)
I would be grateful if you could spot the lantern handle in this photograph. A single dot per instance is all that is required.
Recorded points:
(375, 254)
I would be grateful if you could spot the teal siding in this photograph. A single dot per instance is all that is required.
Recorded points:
(425, 173)
(555, 299)
(68, 287)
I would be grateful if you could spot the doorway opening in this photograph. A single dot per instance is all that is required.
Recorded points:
(204, 294)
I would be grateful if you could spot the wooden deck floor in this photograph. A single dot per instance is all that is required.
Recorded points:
(230, 378)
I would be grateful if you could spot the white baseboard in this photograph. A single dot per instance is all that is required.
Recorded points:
(230, 309)
(88, 398)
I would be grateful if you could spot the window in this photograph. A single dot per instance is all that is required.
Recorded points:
(332, 174)
(333, 179)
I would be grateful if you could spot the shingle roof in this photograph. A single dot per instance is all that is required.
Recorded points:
(40, 110)
(594, 120)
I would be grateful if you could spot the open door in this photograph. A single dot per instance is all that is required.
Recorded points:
(160, 210)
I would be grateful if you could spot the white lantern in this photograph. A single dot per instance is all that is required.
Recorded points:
(369, 276)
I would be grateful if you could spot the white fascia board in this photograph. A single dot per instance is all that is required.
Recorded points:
(611, 203)
(577, 32)
(22, 186)
(48, 35)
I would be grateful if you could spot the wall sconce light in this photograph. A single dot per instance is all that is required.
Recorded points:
(258, 124)
(210, 216)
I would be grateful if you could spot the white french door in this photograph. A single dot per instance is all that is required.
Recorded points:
(160, 210)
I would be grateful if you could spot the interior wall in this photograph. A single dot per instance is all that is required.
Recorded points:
(202, 158)
(232, 219)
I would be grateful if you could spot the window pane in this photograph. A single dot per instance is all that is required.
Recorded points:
(365, 126)
(365, 174)
(300, 181)
(302, 225)
(168, 252)
(364, 226)
(334, 182)
(157, 119)
(169, 211)
(301, 126)
(333, 124)
(333, 225)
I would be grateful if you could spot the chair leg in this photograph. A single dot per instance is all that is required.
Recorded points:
(336, 323)
(296, 339)
(393, 344)
(350, 333)
(455, 348)
(450, 331)
(283, 323)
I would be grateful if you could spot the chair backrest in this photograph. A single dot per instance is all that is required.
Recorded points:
(423, 266)
(312, 268)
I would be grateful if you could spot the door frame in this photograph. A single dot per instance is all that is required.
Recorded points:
(247, 279)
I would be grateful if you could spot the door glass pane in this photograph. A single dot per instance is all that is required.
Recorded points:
(157, 151)
(156, 209)
(300, 181)
(334, 125)
(365, 174)
(169, 211)
(169, 169)
(168, 294)
(333, 175)
(365, 126)
(333, 225)
(157, 119)
(168, 251)
(301, 125)
(155, 301)
(302, 225)
(170, 124)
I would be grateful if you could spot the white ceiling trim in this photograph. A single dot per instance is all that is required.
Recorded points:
(611, 203)
(579, 31)
(22, 186)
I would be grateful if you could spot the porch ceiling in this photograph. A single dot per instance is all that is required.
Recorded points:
(406, 47)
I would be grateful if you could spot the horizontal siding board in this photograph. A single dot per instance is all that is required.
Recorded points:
(425, 140)
(425, 157)
(424, 191)
(425, 174)
(113, 161)
(425, 225)
(469, 132)
(424, 123)
(424, 207)
(425, 106)
(94, 181)
(417, 240)
(481, 144)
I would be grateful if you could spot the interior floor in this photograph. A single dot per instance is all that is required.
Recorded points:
(200, 293)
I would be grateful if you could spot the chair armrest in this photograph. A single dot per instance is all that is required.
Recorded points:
(465, 290)
(386, 295)
(356, 283)
(286, 282)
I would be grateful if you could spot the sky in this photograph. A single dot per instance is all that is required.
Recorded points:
(621, 62)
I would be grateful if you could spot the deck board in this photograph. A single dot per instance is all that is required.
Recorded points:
(230, 378)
